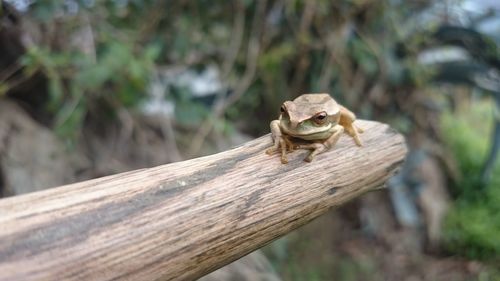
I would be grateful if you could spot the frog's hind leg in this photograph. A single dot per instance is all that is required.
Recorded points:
(354, 132)
(347, 119)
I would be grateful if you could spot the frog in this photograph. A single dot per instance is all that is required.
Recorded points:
(313, 121)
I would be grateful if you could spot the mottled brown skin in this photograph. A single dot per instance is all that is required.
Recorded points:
(314, 122)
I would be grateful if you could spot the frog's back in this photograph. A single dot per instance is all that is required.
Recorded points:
(319, 102)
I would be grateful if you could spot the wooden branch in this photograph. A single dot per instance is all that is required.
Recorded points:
(182, 220)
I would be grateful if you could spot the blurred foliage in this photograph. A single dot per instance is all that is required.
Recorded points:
(117, 74)
(298, 46)
(473, 225)
(301, 256)
(100, 57)
(111, 66)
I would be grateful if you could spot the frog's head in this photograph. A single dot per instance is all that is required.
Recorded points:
(309, 114)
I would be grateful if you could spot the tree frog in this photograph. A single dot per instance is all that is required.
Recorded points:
(311, 121)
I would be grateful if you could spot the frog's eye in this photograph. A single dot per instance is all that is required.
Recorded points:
(282, 109)
(320, 118)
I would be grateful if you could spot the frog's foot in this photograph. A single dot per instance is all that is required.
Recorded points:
(282, 145)
(271, 151)
(284, 159)
(277, 139)
(290, 146)
(354, 132)
(316, 148)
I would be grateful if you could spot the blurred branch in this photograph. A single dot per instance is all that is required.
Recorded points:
(495, 145)
(153, 18)
(303, 38)
(9, 71)
(237, 37)
(251, 65)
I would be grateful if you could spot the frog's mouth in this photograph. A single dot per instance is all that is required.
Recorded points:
(309, 131)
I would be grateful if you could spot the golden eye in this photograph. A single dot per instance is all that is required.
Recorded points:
(320, 118)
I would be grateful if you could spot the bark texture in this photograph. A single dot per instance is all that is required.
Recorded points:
(182, 220)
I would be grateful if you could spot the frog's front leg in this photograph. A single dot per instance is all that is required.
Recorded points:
(279, 141)
(319, 147)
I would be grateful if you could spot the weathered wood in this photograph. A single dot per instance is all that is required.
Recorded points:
(183, 220)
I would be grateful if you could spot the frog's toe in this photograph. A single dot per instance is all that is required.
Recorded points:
(284, 159)
(292, 147)
(358, 141)
(289, 145)
(271, 151)
(309, 158)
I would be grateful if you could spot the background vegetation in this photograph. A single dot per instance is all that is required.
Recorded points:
(212, 72)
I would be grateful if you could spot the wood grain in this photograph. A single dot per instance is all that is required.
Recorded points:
(182, 220)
